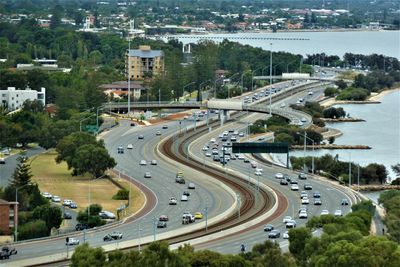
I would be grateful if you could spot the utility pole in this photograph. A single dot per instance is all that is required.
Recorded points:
(154, 228)
(305, 147)
(129, 76)
(206, 214)
(270, 81)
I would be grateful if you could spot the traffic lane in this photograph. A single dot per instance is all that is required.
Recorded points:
(7, 170)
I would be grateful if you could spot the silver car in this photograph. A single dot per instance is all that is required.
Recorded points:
(143, 162)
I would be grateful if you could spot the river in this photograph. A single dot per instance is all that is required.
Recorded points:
(381, 131)
(331, 43)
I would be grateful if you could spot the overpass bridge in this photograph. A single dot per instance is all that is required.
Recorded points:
(311, 78)
(218, 104)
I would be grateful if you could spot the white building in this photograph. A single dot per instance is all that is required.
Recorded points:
(13, 99)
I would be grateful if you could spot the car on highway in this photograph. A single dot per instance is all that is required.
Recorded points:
(305, 200)
(324, 212)
(161, 224)
(158, 133)
(129, 146)
(338, 213)
(73, 205)
(208, 154)
(172, 201)
(246, 160)
(165, 126)
(6, 252)
(186, 193)
(112, 236)
(258, 173)
(286, 219)
(205, 148)
(302, 176)
(153, 162)
(317, 195)
(56, 199)
(163, 218)
(303, 194)
(293, 181)
(141, 136)
(303, 215)
(120, 150)
(147, 175)
(274, 234)
(71, 241)
(2, 161)
(191, 186)
(268, 228)
(279, 175)
(241, 134)
(187, 217)
(283, 182)
(307, 186)
(344, 202)
(198, 215)
(240, 156)
(294, 187)
(67, 215)
(67, 202)
(283, 105)
(291, 224)
(184, 198)
(285, 235)
(317, 202)
(142, 162)
(133, 124)
(180, 180)
(303, 119)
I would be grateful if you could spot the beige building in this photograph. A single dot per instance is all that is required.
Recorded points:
(143, 61)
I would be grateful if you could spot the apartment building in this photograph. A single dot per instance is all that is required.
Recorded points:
(143, 61)
(13, 99)
(8, 216)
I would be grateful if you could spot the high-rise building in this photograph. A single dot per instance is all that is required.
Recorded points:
(143, 62)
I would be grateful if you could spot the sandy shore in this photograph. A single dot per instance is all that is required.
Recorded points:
(378, 97)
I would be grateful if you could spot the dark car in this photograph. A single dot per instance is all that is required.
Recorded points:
(180, 180)
(307, 187)
(112, 236)
(161, 224)
(283, 182)
(133, 124)
(293, 182)
(67, 216)
(81, 226)
(268, 228)
(274, 234)
(288, 179)
(317, 195)
(120, 150)
(6, 252)
(344, 202)
(186, 193)
(165, 127)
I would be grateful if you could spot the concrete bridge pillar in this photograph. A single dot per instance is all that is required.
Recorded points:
(227, 115)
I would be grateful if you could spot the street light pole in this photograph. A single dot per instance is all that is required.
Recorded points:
(270, 80)
(129, 75)
(305, 147)
(183, 89)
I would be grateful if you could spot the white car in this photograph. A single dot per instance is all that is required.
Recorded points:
(56, 199)
(282, 105)
(143, 162)
(279, 175)
(286, 235)
(129, 146)
(71, 241)
(184, 198)
(212, 140)
(67, 202)
(154, 162)
(338, 213)
(303, 120)
(294, 187)
(324, 212)
(257, 173)
(286, 219)
(305, 200)
(291, 224)
(303, 215)
(241, 134)
(147, 175)
(205, 148)
(2, 161)
(241, 157)
(208, 154)
(106, 214)
(158, 133)
(303, 194)
(172, 201)
(47, 195)
(259, 170)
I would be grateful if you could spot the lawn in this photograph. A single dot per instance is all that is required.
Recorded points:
(57, 180)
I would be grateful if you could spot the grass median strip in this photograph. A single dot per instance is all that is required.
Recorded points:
(57, 180)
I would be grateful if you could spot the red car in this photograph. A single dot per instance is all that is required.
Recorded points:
(163, 218)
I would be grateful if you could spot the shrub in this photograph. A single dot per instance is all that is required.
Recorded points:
(122, 194)
(33, 229)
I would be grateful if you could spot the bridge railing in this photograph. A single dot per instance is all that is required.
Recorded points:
(152, 104)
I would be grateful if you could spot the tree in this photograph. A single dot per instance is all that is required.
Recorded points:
(93, 159)
(269, 254)
(85, 256)
(330, 91)
(297, 239)
(22, 174)
(396, 169)
(32, 229)
(51, 215)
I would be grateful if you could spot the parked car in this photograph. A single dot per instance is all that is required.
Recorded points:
(106, 215)
(71, 241)
(2, 161)
(338, 213)
(274, 234)
(67, 202)
(268, 228)
(47, 195)
(81, 226)
(143, 162)
(56, 199)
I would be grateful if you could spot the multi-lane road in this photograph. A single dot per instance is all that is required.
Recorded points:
(207, 194)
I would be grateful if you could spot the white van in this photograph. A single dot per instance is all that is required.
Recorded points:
(184, 198)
